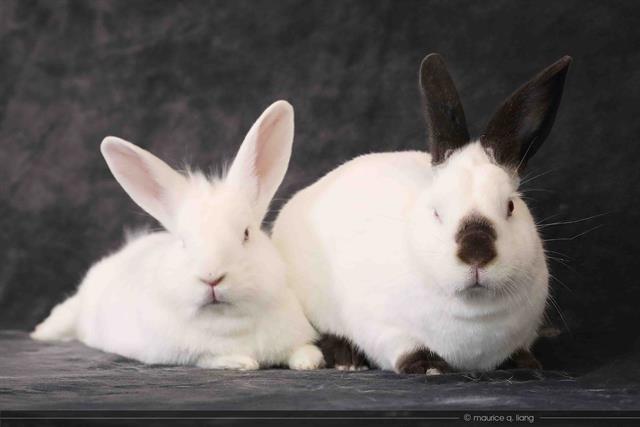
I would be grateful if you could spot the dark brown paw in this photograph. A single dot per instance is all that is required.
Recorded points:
(529, 363)
(422, 362)
(341, 354)
(522, 359)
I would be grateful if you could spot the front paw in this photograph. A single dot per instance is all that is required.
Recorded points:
(237, 362)
(422, 362)
(524, 359)
(306, 358)
(341, 354)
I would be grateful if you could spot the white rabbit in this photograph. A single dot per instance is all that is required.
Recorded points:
(428, 262)
(210, 291)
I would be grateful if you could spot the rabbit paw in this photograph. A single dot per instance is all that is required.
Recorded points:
(306, 357)
(239, 362)
(422, 362)
(351, 368)
(524, 359)
(342, 354)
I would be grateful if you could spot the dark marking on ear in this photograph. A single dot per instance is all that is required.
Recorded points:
(476, 238)
(521, 124)
(339, 351)
(521, 359)
(446, 123)
(421, 361)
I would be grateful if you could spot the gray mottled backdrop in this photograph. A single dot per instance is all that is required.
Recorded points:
(186, 79)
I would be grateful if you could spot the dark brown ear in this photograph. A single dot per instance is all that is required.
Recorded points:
(443, 110)
(523, 121)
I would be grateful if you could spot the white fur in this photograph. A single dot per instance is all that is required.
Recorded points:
(148, 300)
(370, 261)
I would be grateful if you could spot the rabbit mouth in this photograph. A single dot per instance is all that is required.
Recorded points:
(216, 303)
(475, 284)
(474, 289)
(215, 300)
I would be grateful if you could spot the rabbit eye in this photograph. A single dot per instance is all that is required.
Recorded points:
(510, 208)
(437, 215)
(246, 235)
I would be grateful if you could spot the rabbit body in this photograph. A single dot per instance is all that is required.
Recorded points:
(364, 267)
(427, 262)
(120, 308)
(211, 290)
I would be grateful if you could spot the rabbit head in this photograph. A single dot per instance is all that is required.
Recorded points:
(220, 253)
(487, 241)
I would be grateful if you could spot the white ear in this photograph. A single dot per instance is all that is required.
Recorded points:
(263, 158)
(149, 181)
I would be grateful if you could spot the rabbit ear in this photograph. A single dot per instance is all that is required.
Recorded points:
(523, 121)
(263, 157)
(443, 110)
(149, 181)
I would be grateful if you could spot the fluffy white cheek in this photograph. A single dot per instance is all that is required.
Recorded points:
(249, 281)
(451, 275)
(238, 286)
(514, 252)
(189, 295)
(515, 264)
(265, 270)
(433, 252)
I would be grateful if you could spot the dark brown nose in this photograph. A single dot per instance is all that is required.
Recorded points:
(476, 240)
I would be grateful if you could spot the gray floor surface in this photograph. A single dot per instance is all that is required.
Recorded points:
(36, 375)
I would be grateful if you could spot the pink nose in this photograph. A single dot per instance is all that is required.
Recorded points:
(215, 282)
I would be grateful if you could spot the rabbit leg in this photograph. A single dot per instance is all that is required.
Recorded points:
(61, 323)
(237, 361)
(394, 349)
(522, 359)
(306, 357)
(422, 361)
(342, 354)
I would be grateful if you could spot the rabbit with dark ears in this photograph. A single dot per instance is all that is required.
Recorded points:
(210, 291)
(429, 262)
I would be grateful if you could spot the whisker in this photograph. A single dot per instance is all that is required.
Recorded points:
(553, 302)
(557, 258)
(540, 225)
(548, 217)
(564, 263)
(574, 237)
(557, 253)
(526, 179)
(524, 156)
(560, 282)
(544, 190)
